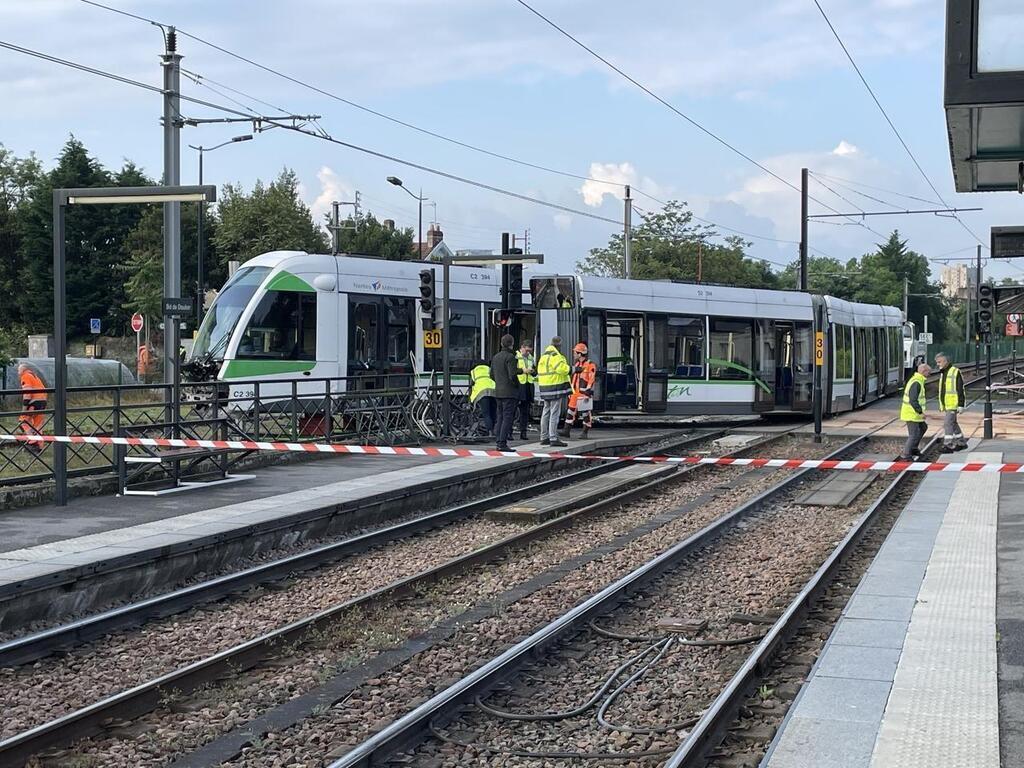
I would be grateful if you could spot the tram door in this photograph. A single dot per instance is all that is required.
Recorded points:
(623, 361)
(860, 368)
(380, 342)
(785, 365)
(765, 397)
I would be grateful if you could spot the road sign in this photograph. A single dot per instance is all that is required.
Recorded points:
(138, 322)
(432, 339)
(925, 338)
(1014, 326)
(819, 347)
(94, 325)
(178, 307)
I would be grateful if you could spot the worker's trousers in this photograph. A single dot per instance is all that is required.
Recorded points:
(549, 418)
(915, 431)
(952, 437)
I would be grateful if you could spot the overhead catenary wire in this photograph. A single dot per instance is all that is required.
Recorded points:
(323, 137)
(888, 120)
(407, 124)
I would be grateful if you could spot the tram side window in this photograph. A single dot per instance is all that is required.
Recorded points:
(844, 352)
(732, 350)
(871, 342)
(895, 348)
(362, 343)
(686, 347)
(283, 327)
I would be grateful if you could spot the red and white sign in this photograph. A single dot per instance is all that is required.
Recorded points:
(138, 321)
(1014, 326)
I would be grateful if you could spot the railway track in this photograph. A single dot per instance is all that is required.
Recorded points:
(437, 728)
(147, 695)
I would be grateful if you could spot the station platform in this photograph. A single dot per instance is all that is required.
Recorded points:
(926, 665)
(123, 545)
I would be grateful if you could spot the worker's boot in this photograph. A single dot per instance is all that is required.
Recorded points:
(586, 433)
(565, 432)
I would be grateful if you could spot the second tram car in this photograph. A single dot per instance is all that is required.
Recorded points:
(690, 349)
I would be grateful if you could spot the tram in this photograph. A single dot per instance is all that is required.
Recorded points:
(290, 315)
(310, 321)
(679, 348)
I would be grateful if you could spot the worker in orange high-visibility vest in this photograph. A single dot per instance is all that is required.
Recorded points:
(581, 401)
(33, 402)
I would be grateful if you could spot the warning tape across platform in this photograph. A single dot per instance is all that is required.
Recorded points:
(382, 450)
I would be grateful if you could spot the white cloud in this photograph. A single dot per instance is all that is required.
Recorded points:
(563, 221)
(617, 175)
(332, 188)
(844, 148)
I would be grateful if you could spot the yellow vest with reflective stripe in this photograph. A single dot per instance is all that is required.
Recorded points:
(553, 373)
(483, 384)
(949, 400)
(907, 413)
(525, 362)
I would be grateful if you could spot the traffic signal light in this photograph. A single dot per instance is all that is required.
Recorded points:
(427, 290)
(502, 318)
(515, 284)
(986, 303)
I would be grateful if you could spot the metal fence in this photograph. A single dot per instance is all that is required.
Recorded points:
(379, 411)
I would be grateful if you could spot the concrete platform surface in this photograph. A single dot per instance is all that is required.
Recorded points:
(917, 671)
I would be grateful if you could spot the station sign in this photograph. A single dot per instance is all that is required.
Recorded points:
(178, 307)
(819, 347)
(94, 325)
(926, 338)
(432, 338)
(1007, 242)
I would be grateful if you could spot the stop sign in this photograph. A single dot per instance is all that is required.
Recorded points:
(137, 322)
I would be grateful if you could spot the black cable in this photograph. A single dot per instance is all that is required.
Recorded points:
(298, 129)
(885, 114)
(843, 182)
(411, 126)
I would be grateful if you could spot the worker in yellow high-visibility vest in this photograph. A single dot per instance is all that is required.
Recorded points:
(952, 399)
(912, 412)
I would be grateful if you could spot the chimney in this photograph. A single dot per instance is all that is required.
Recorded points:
(434, 236)
(388, 224)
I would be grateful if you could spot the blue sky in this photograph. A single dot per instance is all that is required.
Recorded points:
(767, 76)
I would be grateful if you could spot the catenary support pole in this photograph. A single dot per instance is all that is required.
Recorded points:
(988, 433)
(627, 234)
(60, 364)
(803, 229)
(335, 227)
(446, 402)
(171, 63)
(977, 303)
(200, 252)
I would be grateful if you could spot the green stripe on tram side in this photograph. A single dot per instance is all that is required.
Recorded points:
(243, 369)
(735, 366)
(286, 281)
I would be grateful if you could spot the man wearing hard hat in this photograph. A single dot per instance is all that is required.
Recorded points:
(581, 401)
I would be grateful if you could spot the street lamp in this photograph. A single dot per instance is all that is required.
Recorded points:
(200, 277)
(420, 198)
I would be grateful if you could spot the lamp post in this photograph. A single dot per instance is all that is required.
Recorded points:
(419, 198)
(200, 248)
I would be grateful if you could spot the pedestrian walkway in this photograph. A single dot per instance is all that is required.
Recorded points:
(909, 676)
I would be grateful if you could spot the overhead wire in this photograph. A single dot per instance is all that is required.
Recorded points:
(841, 181)
(412, 126)
(888, 120)
(323, 137)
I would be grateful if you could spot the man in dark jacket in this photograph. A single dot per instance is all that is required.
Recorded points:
(505, 372)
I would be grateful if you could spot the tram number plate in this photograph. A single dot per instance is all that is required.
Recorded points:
(432, 339)
(819, 347)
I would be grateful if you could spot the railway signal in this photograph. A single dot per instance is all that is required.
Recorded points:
(427, 290)
(986, 308)
(502, 318)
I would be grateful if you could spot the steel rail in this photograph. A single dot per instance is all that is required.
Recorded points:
(143, 698)
(411, 727)
(709, 731)
(32, 647)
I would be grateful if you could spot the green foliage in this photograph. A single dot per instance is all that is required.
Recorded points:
(270, 218)
(17, 178)
(368, 237)
(667, 245)
(13, 343)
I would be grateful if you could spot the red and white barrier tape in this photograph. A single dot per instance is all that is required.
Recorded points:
(381, 450)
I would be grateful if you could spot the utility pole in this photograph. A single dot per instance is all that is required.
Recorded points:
(977, 296)
(906, 298)
(627, 234)
(335, 227)
(803, 229)
(171, 64)
(700, 261)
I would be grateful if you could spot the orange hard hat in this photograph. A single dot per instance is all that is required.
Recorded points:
(581, 347)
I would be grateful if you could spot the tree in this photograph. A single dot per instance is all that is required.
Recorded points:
(366, 236)
(271, 218)
(668, 246)
(17, 178)
(825, 275)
